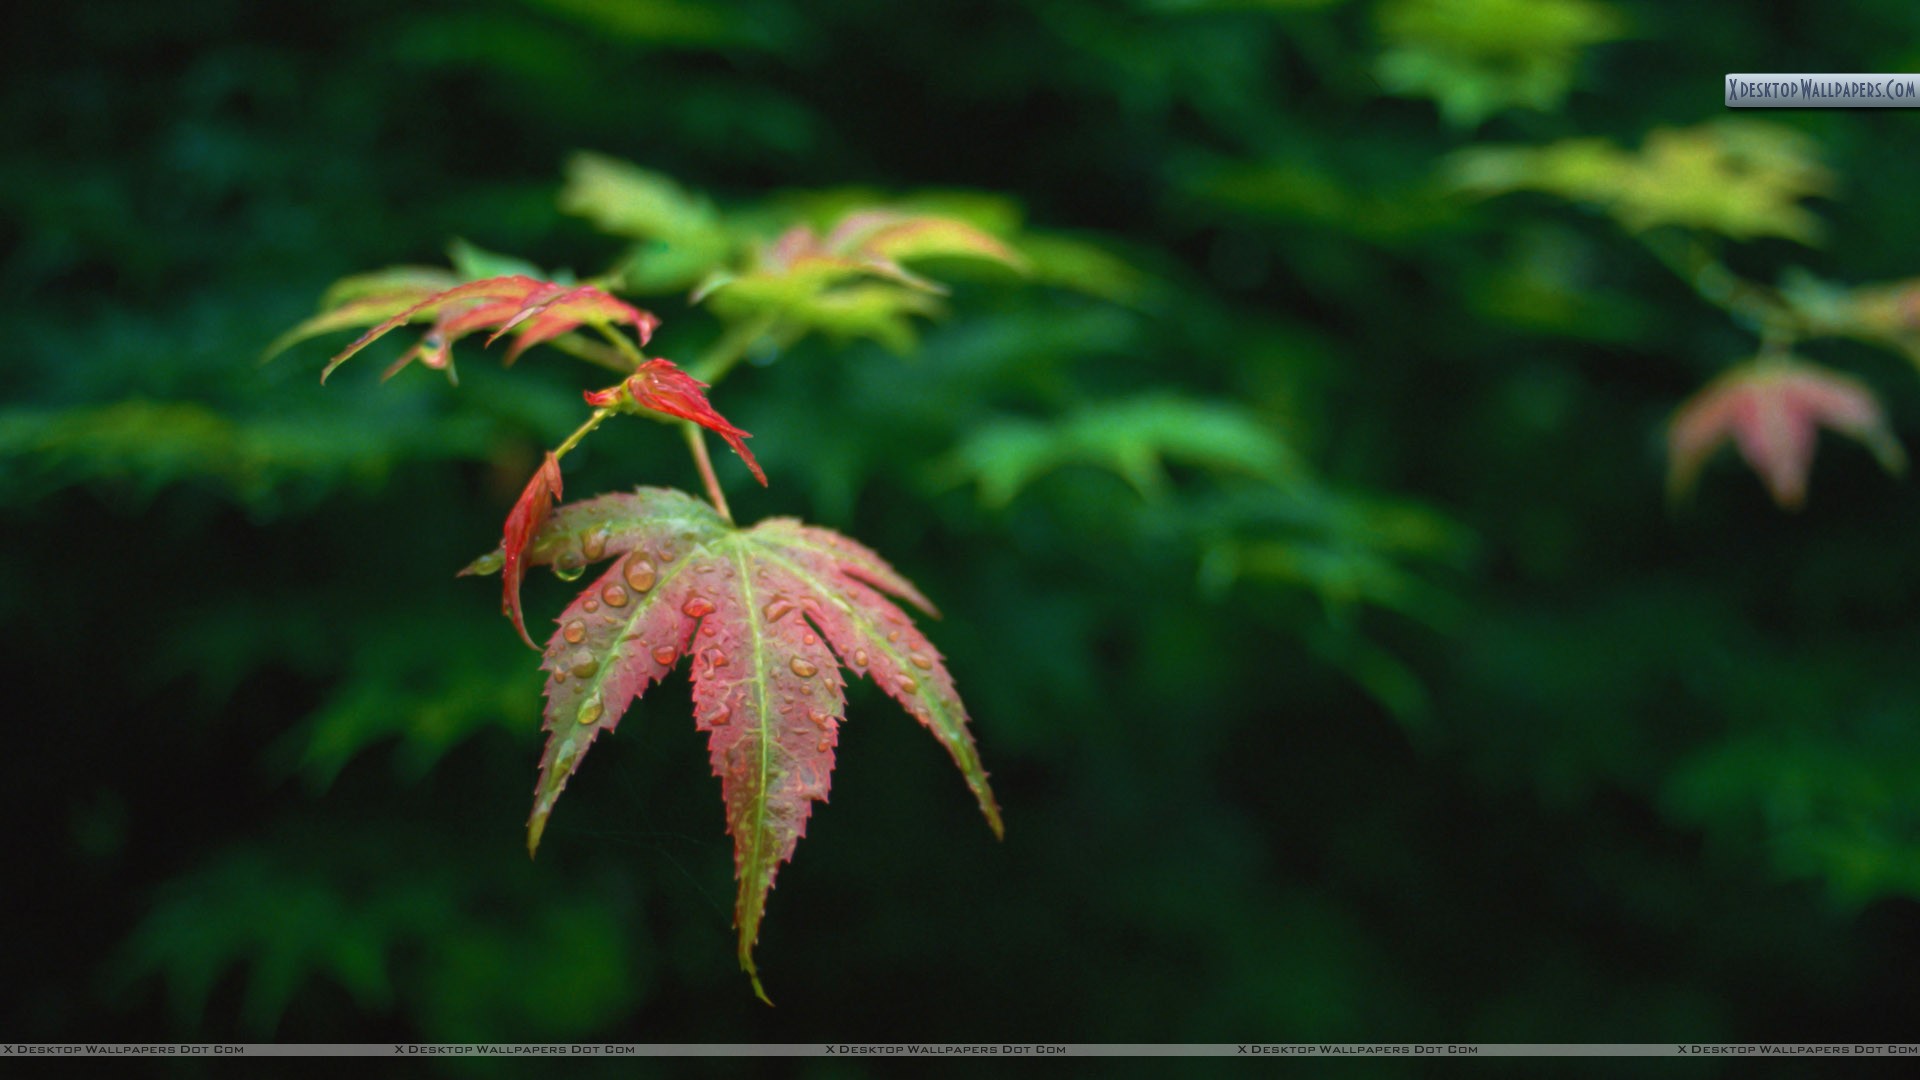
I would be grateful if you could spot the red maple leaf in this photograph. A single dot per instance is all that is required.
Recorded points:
(768, 618)
(538, 310)
(529, 513)
(1773, 412)
(661, 386)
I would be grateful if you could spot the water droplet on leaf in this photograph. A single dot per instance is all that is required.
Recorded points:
(907, 684)
(568, 573)
(665, 655)
(802, 668)
(777, 610)
(590, 710)
(920, 661)
(575, 632)
(697, 607)
(640, 574)
(615, 595)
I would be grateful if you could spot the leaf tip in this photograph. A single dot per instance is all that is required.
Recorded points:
(490, 563)
(753, 976)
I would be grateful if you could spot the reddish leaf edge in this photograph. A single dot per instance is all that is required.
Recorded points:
(529, 513)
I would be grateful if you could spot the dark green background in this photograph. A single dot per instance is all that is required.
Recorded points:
(1651, 777)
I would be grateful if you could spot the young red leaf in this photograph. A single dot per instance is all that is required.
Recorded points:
(1773, 412)
(540, 310)
(366, 299)
(523, 521)
(768, 617)
(661, 386)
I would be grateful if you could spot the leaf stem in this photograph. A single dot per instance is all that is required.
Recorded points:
(1763, 309)
(697, 442)
(619, 341)
(581, 432)
(592, 352)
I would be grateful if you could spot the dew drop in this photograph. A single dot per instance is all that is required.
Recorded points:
(568, 573)
(615, 595)
(907, 684)
(720, 718)
(809, 639)
(640, 573)
(590, 605)
(895, 636)
(583, 666)
(921, 661)
(710, 629)
(665, 655)
(559, 677)
(859, 658)
(575, 632)
(667, 554)
(590, 711)
(705, 568)
(824, 745)
(715, 660)
(802, 668)
(697, 607)
(819, 718)
(777, 610)
(594, 544)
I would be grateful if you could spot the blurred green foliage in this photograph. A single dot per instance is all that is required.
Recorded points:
(1296, 516)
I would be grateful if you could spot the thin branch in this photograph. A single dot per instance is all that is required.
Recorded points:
(593, 353)
(581, 432)
(619, 341)
(697, 442)
(1760, 307)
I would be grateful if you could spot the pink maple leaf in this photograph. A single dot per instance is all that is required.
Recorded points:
(1773, 412)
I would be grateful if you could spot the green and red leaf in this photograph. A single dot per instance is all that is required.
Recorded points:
(769, 618)
(539, 310)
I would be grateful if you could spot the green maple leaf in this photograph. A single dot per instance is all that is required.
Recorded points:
(769, 617)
